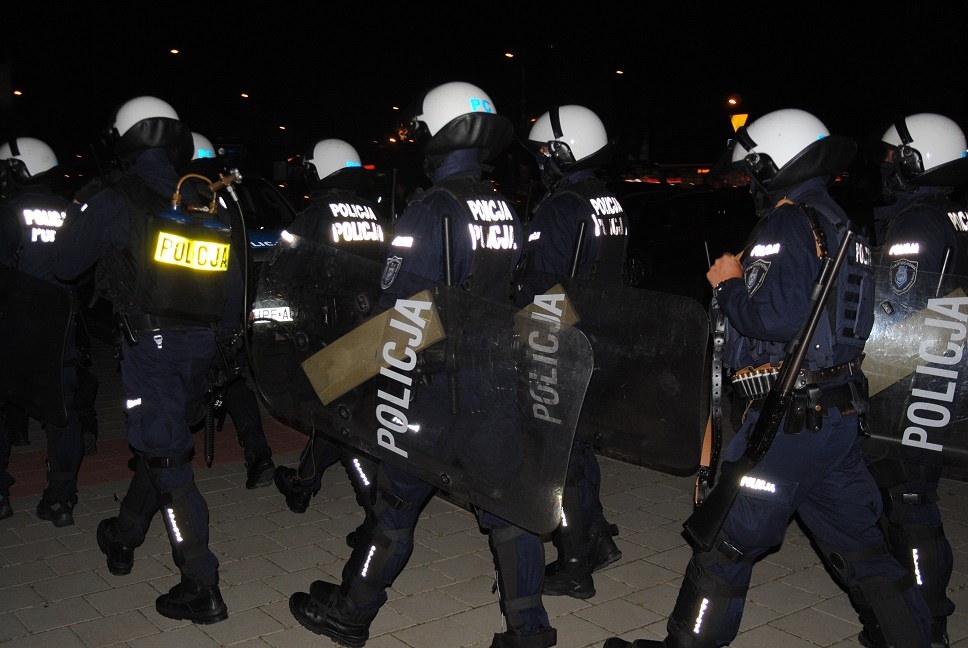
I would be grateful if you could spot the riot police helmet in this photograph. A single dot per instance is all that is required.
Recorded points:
(26, 158)
(459, 115)
(149, 122)
(331, 156)
(786, 147)
(202, 147)
(924, 149)
(572, 137)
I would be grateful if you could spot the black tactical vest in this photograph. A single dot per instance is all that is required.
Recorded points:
(176, 262)
(612, 227)
(491, 232)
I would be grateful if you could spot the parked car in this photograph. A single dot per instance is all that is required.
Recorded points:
(675, 233)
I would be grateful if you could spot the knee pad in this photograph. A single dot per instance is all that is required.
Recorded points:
(519, 563)
(708, 609)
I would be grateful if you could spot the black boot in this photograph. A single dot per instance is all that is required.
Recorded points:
(939, 633)
(120, 556)
(327, 612)
(569, 578)
(544, 639)
(60, 513)
(615, 642)
(192, 601)
(297, 500)
(5, 509)
(259, 468)
(603, 550)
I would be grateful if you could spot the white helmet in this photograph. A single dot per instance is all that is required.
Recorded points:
(459, 115)
(134, 110)
(332, 155)
(927, 147)
(150, 122)
(33, 157)
(568, 135)
(449, 101)
(203, 147)
(788, 146)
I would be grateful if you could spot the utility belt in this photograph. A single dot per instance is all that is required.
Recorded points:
(755, 383)
(131, 324)
(810, 404)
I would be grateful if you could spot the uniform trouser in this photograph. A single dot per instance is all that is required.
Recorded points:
(241, 403)
(915, 529)
(822, 477)
(161, 374)
(6, 479)
(65, 444)
(87, 387)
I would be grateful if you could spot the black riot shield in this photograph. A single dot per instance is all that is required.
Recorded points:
(917, 369)
(35, 317)
(648, 399)
(477, 398)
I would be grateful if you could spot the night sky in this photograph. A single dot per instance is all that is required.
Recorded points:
(336, 69)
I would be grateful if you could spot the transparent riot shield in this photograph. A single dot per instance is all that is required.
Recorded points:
(917, 369)
(477, 398)
(35, 318)
(648, 399)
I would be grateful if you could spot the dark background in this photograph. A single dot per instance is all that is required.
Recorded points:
(328, 69)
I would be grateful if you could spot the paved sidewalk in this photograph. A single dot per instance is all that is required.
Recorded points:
(55, 589)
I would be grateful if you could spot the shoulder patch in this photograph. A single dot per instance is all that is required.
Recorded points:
(904, 274)
(755, 275)
(390, 271)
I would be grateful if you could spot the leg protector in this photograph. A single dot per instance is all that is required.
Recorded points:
(571, 538)
(893, 612)
(916, 538)
(708, 609)
(185, 514)
(384, 542)
(363, 473)
(519, 564)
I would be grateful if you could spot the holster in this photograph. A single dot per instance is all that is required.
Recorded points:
(805, 410)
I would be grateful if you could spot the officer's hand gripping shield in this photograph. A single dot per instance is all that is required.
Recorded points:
(475, 397)
(35, 318)
(917, 368)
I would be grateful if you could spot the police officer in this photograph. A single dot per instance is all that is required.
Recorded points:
(168, 306)
(815, 466)
(460, 131)
(231, 392)
(338, 216)
(31, 215)
(577, 229)
(924, 161)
